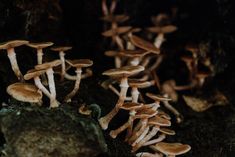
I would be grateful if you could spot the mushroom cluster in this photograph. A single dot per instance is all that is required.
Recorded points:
(136, 63)
(27, 92)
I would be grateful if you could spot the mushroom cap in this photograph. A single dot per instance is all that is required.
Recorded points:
(202, 74)
(33, 73)
(163, 29)
(187, 59)
(192, 47)
(157, 97)
(157, 120)
(163, 114)
(12, 43)
(111, 53)
(138, 83)
(133, 53)
(119, 30)
(145, 113)
(171, 148)
(115, 18)
(167, 131)
(143, 44)
(131, 106)
(61, 48)
(40, 45)
(80, 63)
(25, 92)
(124, 71)
(48, 65)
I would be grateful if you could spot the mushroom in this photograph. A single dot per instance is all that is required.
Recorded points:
(123, 73)
(161, 30)
(10, 47)
(143, 114)
(201, 76)
(115, 32)
(39, 47)
(78, 64)
(171, 149)
(131, 107)
(25, 92)
(48, 67)
(62, 50)
(147, 154)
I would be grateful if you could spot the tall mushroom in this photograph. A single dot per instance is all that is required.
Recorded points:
(48, 67)
(10, 47)
(78, 64)
(123, 73)
(62, 50)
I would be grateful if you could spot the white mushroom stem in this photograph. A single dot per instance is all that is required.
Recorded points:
(135, 94)
(104, 8)
(76, 86)
(159, 139)
(129, 46)
(73, 78)
(118, 62)
(159, 40)
(119, 42)
(173, 110)
(151, 134)
(144, 133)
(147, 154)
(113, 6)
(40, 86)
(39, 56)
(104, 121)
(53, 102)
(136, 133)
(135, 61)
(112, 88)
(62, 54)
(146, 61)
(14, 65)
(129, 123)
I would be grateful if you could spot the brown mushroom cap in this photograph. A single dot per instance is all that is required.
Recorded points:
(119, 30)
(12, 43)
(133, 53)
(171, 148)
(33, 73)
(163, 114)
(157, 120)
(111, 53)
(163, 29)
(145, 113)
(115, 18)
(131, 106)
(157, 97)
(40, 45)
(48, 65)
(138, 83)
(61, 48)
(167, 131)
(80, 63)
(124, 71)
(143, 44)
(25, 92)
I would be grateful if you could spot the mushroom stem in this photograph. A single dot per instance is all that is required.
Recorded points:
(136, 133)
(159, 40)
(39, 56)
(113, 6)
(119, 42)
(73, 78)
(62, 54)
(156, 64)
(53, 102)
(141, 136)
(104, 8)
(159, 139)
(147, 154)
(40, 86)
(104, 121)
(135, 94)
(135, 61)
(118, 62)
(112, 88)
(12, 57)
(76, 86)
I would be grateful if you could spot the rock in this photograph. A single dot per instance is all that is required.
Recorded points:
(40, 132)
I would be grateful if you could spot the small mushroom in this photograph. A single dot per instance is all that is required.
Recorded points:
(25, 92)
(171, 149)
(10, 47)
(131, 107)
(62, 50)
(123, 73)
(78, 64)
(48, 67)
(161, 31)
